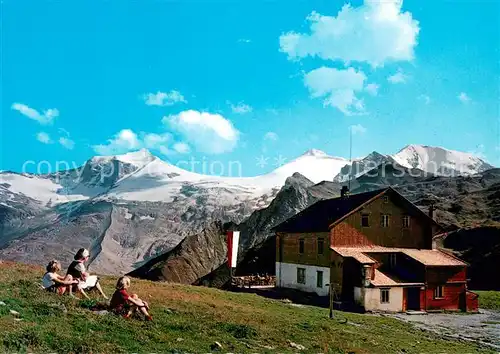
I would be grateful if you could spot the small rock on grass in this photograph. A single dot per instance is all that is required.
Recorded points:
(216, 346)
(14, 313)
(296, 346)
(60, 307)
(268, 347)
(179, 339)
(2, 303)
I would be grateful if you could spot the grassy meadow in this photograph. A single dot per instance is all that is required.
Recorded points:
(191, 319)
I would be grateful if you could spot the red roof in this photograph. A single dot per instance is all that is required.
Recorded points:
(382, 279)
(426, 257)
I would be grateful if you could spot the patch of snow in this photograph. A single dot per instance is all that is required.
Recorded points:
(41, 189)
(147, 217)
(151, 179)
(138, 158)
(439, 160)
(161, 181)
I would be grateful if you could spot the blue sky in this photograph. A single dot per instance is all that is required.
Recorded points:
(236, 80)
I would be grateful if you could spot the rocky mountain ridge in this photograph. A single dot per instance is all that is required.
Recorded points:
(130, 208)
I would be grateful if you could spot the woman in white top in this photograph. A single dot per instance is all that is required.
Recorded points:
(56, 283)
(78, 271)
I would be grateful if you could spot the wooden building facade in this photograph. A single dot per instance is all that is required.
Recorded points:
(375, 249)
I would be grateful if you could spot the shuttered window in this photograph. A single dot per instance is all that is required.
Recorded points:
(301, 246)
(365, 220)
(439, 292)
(384, 220)
(406, 221)
(321, 245)
(301, 275)
(384, 296)
(319, 279)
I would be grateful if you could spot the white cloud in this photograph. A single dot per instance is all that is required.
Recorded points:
(244, 40)
(357, 129)
(164, 98)
(154, 141)
(372, 89)
(376, 32)
(338, 87)
(127, 140)
(208, 133)
(165, 150)
(47, 117)
(67, 143)
(271, 136)
(177, 148)
(44, 138)
(425, 98)
(240, 108)
(181, 148)
(464, 98)
(123, 141)
(398, 78)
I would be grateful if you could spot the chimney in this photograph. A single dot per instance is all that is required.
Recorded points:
(344, 192)
(430, 241)
(431, 211)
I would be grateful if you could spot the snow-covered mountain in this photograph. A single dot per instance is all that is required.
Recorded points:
(141, 176)
(427, 159)
(440, 161)
(130, 207)
(361, 166)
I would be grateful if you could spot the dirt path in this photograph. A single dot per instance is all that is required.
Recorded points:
(482, 328)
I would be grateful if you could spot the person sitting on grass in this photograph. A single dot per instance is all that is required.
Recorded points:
(124, 304)
(56, 283)
(77, 270)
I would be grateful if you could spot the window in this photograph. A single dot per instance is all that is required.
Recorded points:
(406, 221)
(392, 260)
(386, 199)
(319, 279)
(301, 275)
(301, 246)
(384, 220)
(439, 292)
(321, 244)
(384, 296)
(365, 220)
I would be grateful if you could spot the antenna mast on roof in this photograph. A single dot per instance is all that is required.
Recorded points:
(350, 158)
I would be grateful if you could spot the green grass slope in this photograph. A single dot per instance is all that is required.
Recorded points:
(191, 319)
(489, 299)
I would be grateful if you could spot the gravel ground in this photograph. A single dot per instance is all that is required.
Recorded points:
(483, 328)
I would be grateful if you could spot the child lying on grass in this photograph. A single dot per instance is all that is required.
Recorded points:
(56, 283)
(124, 304)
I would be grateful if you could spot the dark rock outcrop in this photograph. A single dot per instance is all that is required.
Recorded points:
(480, 247)
(193, 258)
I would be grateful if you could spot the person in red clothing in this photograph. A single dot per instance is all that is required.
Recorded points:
(124, 304)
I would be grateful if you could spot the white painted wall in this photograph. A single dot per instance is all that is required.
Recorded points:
(359, 296)
(372, 300)
(286, 277)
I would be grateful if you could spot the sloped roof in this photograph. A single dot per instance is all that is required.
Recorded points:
(355, 253)
(319, 216)
(382, 279)
(426, 257)
(433, 257)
